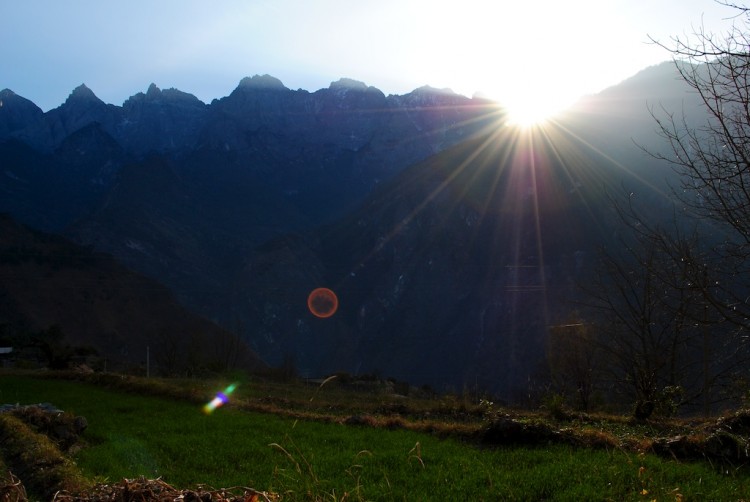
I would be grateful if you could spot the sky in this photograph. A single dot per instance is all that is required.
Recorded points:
(546, 51)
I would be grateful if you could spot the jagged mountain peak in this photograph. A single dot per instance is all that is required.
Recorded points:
(427, 96)
(263, 82)
(428, 89)
(429, 258)
(153, 91)
(178, 95)
(348, 83)
(8, 97)
(156, 95)
(16, 113)
(82, 93)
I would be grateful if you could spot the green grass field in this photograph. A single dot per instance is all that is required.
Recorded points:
(131, 435)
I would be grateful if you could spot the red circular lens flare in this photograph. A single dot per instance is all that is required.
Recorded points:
(322, 302)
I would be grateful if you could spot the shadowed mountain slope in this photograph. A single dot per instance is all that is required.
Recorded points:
(451, 241)
(448, 275)
(49, 281)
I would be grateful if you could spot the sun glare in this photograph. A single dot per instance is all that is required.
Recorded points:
(526, 115)
(535, 105)
(526, 112)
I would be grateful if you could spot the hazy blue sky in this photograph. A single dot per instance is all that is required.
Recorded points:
(507, 50)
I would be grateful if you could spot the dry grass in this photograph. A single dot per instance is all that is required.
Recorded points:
(11, 488)
(156, 490)
(37, 460)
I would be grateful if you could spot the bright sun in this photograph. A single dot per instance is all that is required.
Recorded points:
(533, 102)
(533, 110)
(526, 114)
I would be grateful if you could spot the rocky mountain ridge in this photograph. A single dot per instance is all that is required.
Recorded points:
(452, 240)
(172, 120)
(182, 191)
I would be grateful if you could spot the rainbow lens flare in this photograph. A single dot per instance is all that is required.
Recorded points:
(221, 399)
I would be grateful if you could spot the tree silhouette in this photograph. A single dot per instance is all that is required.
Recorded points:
(645, 301)
(713, 158)
(574, 359)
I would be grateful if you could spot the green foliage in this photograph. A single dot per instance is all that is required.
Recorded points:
(131, 435)
(669, 400)
(554, 404)
(487, 409)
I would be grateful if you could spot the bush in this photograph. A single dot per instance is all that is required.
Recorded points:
(554, 404)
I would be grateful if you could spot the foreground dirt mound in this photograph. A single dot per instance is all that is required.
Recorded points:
(726, 440)
(63, 428)
(505, 431)
(36, 460)
(33, 443)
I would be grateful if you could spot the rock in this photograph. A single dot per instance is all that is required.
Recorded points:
(677, 447)
(8, 407)
(48, 408)
(83, 369)
(723, 445)
(64, 433)
(80, 424)
(191, 496)
(718, 446)
(739, 423)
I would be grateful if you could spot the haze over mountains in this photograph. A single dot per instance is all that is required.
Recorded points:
(451, 240)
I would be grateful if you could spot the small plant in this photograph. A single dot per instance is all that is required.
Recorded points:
(554, 404)
(487, 410)
(669, 400)
(302, 482)
(416, 453)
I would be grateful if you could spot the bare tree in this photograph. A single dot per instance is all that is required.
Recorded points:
(663, 284)
(713, 158)
(574, 359)
(167, 351)
(653, 322)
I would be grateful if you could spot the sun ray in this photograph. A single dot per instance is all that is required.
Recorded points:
(404, 222)
(539, 242)
(614, 162)
(555, 145)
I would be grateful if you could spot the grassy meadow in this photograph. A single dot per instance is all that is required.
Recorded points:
(132, 434)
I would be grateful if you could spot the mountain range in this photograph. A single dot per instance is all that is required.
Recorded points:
(452, 240)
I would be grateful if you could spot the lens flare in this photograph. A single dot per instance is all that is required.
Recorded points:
(322, 303)
(221, 399)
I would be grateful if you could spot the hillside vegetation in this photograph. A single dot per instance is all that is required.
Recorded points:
(297, 441)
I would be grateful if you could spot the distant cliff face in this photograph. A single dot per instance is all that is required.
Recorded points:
(314, 153)
(183, 191)
(450, 274)
(451, 243)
